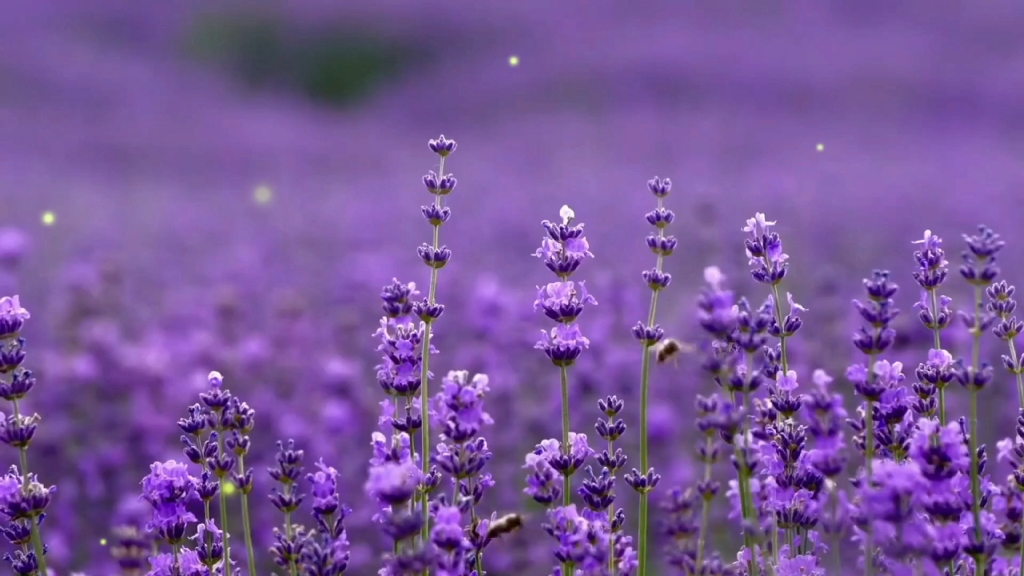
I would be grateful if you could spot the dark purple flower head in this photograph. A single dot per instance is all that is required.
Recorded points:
(564, 247)
(398, 300)
(460, 405)
(563, 344)
(563, 301)
(939, 451)
(22, 497)
(442, 146)
(764, 251)
(441, 186)
(544, 483)
(660, 187)
(169, 489)
(931, 262)
(399, 374)
(979, 266)
(12, 317)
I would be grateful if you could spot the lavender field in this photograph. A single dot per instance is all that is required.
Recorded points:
(218, 337)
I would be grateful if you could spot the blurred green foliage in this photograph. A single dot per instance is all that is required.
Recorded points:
(333, 64)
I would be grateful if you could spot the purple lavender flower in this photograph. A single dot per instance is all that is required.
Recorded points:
(17, 429)
(563, 250)
(325, 551)
(435, 256)
(448, 537)
(463, 452)
(169, 489)
(649, 334)
(289, 544)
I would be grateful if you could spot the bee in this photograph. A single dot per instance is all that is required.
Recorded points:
(670, 348)
(507, 524)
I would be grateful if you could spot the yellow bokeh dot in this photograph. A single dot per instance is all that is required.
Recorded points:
(262, 194)
(229, 489)
(48, 218)
(103, 541)
(513, 60)
(821, 147)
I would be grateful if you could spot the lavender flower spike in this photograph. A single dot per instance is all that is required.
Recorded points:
(933, 309)
(17, 430)
(645, 479)
(563, 250)
(435, 256)
(980, 271)
(769, 266)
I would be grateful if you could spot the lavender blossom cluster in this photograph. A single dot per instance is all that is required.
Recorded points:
(789, 481)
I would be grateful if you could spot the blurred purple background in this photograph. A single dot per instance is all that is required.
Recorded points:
(230, 184)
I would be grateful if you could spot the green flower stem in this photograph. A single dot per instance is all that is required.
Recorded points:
(566, 485)
(645, 392)
(779, 320)
(938, 346)
(981, 564)
(36, 535)
(293, 569)
(425, 373)
(250, 551)
(705, 506)
(223, 505)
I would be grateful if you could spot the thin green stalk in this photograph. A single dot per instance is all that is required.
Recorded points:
(566, 485)
(612, 570)
(779, 320)
(478, 558)
(869, 455)
(705, 506)
(1020, 380)
(293, 570)
(224, 506)
(746, 497)
(36, 535)
(645, 378)
(250, 551)
(1020, 399)
(981, 565)
(645, 374)
(938, 346)
(425, 373)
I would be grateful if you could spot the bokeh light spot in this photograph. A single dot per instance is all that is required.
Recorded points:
(821, 147)
(513, 60)
(103, 541)
(230, 489)
(263, 194)
(48, 218)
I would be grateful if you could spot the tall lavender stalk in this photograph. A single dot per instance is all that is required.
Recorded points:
(463, 454)
(17, 429)
(649, 334)
(933, 309)
(221, 462)
(872, 341)
(769, 266)
(979, 270)
(563, 251)
(435, 256)
(289, 543)
(598, 491)
(243, 421)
